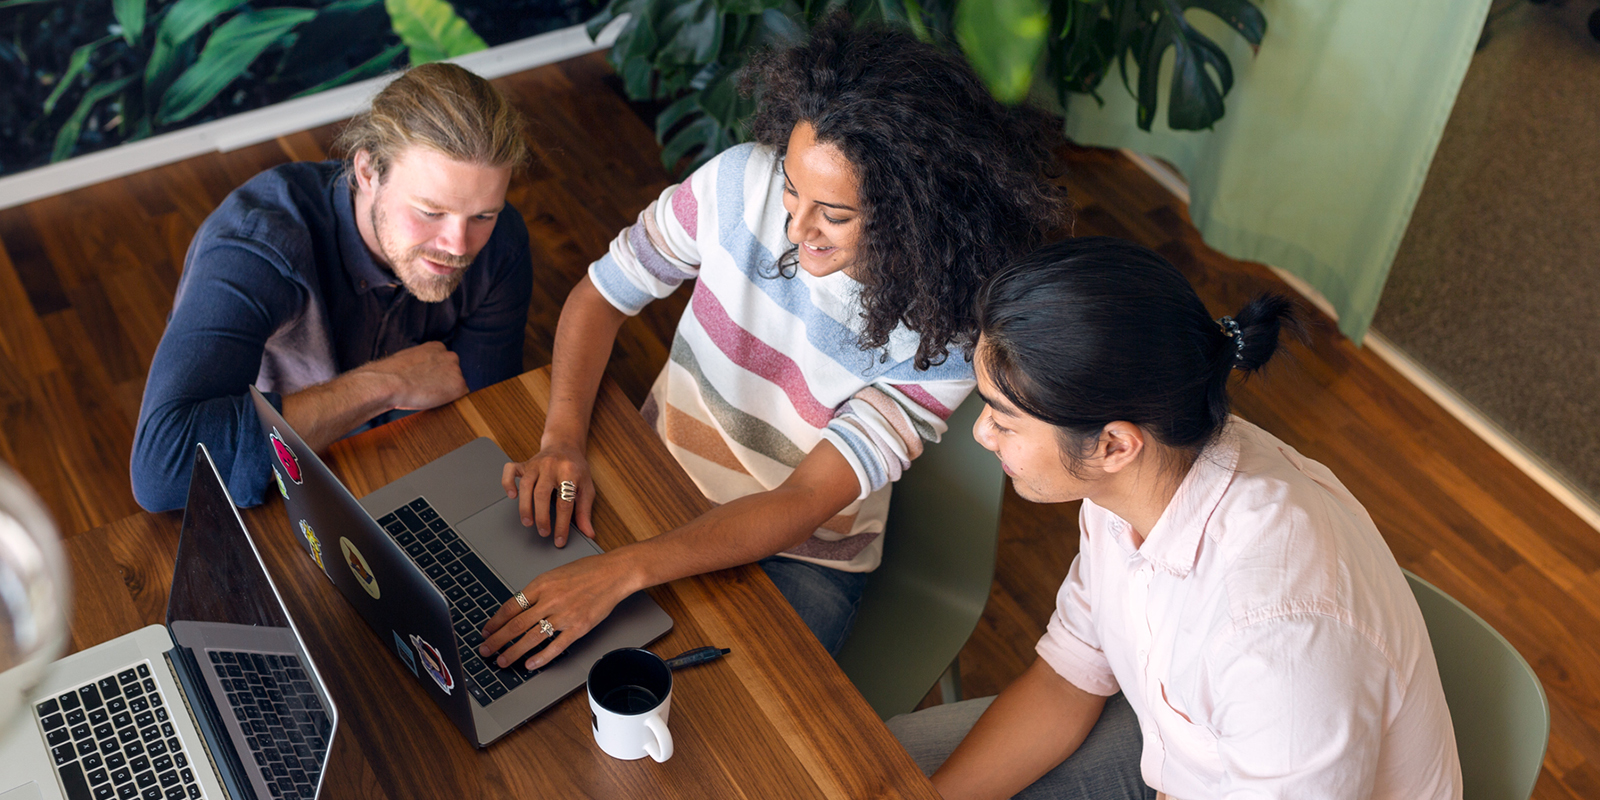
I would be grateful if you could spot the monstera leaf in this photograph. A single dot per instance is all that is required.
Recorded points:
(432, 30)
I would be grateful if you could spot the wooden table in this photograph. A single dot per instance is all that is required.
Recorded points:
(775, 719)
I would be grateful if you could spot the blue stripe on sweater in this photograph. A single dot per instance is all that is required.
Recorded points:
(865, 452)
(608, 278)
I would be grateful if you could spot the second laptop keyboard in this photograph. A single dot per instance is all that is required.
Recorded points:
(473, 591)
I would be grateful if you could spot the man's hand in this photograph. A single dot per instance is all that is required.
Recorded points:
(535, 481)
(421, 377)
(574, 597)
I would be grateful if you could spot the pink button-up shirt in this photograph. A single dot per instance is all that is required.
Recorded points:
(1264, 635)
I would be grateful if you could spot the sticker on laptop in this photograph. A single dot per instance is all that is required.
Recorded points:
(433, 663)
(358, 567)
(277, 478)
(286, 457)
(314, 543)
(405, 653)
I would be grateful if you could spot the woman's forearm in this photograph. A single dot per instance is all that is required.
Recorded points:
(585, 335)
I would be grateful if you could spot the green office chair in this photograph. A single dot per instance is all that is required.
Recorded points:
(938, 563)
(1497, 705)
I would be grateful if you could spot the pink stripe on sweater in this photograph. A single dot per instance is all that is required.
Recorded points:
(686, 208)
(751, 354)
(919, 394)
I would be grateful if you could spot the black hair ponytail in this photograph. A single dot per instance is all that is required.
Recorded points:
(1247, 341)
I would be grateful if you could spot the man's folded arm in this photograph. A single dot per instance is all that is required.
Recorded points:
(198, 386)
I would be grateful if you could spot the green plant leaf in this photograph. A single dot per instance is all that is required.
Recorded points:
(780, 27)
(130, 15)
(703, 137)
(633, 54)
(675, 113)
(636, 78)
(75, 67)
(914, 21)
(1195, 101)
(433, 30)
(228, 53)
(67, 137)
(335, 27)
(372, 67)
(721, 99)
(1002, 39)
(748, 8)
(691, 33)
(1241, 15)
(183, 20)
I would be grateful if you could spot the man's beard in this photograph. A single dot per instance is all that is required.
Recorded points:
(423, 284)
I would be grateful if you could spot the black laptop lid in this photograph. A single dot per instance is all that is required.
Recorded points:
(238, 654)
(403, 608)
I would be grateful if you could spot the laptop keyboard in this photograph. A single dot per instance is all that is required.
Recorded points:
(473, 591)
(113, 738)
(283, 720)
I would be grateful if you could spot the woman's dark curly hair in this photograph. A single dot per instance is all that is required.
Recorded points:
(953, 183)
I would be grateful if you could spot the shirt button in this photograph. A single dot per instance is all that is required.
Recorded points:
(363, 284)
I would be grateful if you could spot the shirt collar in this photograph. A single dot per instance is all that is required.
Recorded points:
(364, 273)
(1174, 542)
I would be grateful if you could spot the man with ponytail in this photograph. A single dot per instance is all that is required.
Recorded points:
(395, 280)
(1233, 625)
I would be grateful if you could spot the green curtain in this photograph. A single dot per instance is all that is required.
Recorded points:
(1328, 134)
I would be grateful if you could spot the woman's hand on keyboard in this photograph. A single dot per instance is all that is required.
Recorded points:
(537, 481)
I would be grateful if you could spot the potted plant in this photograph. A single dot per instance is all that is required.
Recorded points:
(689, 52)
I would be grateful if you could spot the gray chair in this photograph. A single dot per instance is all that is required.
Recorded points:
(924, 601)
(1497, 705)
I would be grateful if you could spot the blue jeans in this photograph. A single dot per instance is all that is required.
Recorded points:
(1105, 766)
(825, 598)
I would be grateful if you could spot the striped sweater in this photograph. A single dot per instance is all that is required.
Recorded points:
(762, 367)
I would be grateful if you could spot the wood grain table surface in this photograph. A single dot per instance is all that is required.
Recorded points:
(774, 719)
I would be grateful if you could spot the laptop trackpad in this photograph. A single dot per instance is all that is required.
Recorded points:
(27, 791)
(515, 553)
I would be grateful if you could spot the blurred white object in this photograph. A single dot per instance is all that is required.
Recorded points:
(35, 592)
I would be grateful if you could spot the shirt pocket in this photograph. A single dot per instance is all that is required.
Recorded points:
(1190, 742)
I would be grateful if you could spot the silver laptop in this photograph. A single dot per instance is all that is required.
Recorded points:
(222, 702)
(429, 558)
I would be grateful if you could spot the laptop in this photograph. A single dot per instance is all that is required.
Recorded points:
(427, 559)
(222, 702)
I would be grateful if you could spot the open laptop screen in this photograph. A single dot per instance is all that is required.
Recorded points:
(267, 717)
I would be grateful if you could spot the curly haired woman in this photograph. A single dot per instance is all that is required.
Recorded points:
(835, 261)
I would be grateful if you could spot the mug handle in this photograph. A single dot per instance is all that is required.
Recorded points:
(661, 748)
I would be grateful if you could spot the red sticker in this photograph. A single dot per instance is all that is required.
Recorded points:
(433, 662)
(286, 457)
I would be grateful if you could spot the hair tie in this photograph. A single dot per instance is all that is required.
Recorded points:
(1230, 329)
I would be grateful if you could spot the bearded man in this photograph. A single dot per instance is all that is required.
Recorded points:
(348, 292)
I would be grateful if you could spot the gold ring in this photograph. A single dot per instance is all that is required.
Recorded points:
(521, 601)
(549, 630)
(569, 491)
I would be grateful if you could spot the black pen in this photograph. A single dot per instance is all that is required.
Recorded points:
(697, 656)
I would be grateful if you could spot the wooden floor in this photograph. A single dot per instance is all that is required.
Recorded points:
(86, 280)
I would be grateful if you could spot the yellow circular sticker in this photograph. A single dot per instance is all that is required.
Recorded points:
(358, 567)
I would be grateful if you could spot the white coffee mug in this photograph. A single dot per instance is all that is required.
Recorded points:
(630, 697)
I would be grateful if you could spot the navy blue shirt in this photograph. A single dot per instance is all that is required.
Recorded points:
(280, 291)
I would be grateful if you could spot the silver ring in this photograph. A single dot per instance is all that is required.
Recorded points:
(521, 601)
(549, 630)
(569, 491)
